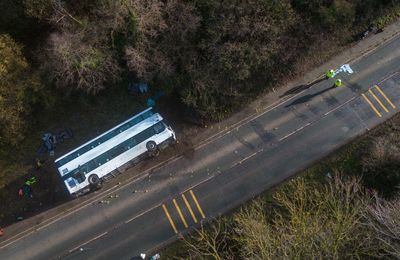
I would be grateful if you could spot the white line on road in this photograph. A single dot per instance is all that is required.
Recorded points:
(141, 214)
(295, 131)
(310, 123)
(87, 242)
(248, 157)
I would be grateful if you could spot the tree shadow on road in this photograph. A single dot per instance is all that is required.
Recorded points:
(302, 87)
(308, 97)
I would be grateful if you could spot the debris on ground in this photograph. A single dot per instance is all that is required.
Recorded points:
(371, 29)
(49, 141)
(137, 88)
(151, 102)
(155, 257)
(39, 163)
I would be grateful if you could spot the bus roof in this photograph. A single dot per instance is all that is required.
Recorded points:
(103, 137)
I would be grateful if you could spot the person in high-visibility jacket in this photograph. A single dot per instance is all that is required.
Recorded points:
(329, 74)
(338, 83)
(30, 181)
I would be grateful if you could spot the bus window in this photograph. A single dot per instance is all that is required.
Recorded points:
(159, 127)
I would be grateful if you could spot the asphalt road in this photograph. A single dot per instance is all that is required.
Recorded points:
(223, 173)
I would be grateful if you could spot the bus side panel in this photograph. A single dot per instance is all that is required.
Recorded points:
(73, 164)
(122, 159)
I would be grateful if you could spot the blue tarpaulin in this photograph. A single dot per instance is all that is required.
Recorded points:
(138, 88)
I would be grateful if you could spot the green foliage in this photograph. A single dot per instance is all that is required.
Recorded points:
(238, 45)
(213, 56)
(226, 51)
(379, 12)
(40, 9)
(15, 81)
(12, 16)
(333, 15)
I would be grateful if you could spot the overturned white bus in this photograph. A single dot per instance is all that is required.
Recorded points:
(85, 166)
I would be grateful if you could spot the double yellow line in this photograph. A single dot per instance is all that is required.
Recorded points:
(378, 101)
(178, 209)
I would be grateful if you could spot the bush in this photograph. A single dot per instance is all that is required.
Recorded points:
(381, 164)
(16, 80)
(76, 64)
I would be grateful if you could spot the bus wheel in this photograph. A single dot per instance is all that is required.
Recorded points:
(151, 146)
(94, 181)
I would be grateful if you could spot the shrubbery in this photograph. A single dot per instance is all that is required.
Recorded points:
(18, 85)
(213, 55)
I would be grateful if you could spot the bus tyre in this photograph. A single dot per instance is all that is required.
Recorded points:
(151, 146)
(94, 181)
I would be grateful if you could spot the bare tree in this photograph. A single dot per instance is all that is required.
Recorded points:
(209, 243)
(380, 163)
(308, 222)
(72, 62)
(53, 11)
(253, 233)
(383, 218)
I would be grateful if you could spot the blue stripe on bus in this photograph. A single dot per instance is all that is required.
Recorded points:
(115, 151)
(103, 138)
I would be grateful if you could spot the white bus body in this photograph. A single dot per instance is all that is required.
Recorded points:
(140, 134)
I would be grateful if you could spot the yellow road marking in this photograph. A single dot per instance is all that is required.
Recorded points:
(377, 99)
(197, 204)
(383, 94)
(371, 105)
(180, 213)
(189, 208)
(170, 219)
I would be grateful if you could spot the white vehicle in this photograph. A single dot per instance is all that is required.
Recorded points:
(85, 166)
